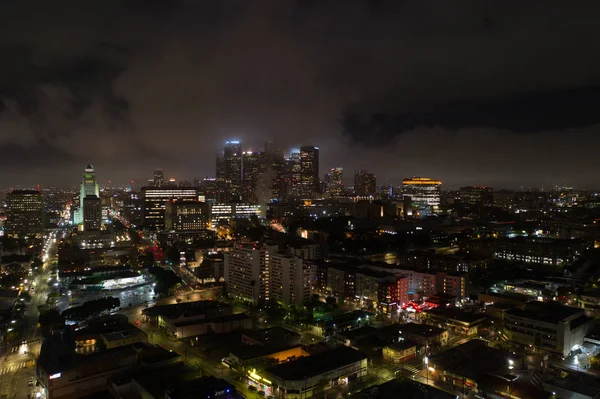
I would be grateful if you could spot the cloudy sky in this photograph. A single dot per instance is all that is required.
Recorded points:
(504, 93)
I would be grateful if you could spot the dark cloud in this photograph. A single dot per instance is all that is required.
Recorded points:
(526, 113)
(134, 85)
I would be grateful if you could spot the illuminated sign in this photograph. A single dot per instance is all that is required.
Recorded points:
(54, 376)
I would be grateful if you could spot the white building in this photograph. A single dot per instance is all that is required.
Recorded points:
(247, 271)
(290, 279)
(547, 327)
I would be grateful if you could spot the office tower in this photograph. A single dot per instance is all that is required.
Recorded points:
(25, 213)
(275, 169)
(334, 181)
(247, 271)
(309, 170)
(292, 175)
(155, 200)
(476, 196)
(229, 171)
(92, 213)
(365, 184)
(424, 193)
(290, 279)
(159, 178)
(89, 186)
(253, 167)
(182, 216)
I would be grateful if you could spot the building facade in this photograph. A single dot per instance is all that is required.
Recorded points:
(365, 184)
(25, 213)
(290, 279)
(247, 272)
(309, 171)
(183, 216)
(423, 191)
(155, 200)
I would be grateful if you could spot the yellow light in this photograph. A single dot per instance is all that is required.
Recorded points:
(267, 381)
(255, 376)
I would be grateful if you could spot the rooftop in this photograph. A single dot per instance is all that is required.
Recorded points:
(311, 366)
(115, 336)
(410, 389)
(251, 352)
(186, 309)
(157, 381)
(220, 319)
(273, 335)
(457, 314)
(581, 383)
(420, 329)
(473, 359)
(547, 312)
(204, 387)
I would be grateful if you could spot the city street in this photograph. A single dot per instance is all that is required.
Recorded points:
(17, 364)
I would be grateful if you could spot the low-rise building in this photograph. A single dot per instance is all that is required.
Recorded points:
(464, 366)
(547, 327)
(307, 376)
(216, 325)
(400, 352)
(457, 320)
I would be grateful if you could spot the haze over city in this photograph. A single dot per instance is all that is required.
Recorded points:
(491, 93)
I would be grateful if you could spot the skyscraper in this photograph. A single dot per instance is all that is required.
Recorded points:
(229, 170)
(292, 172)
(92, 213)
(334, 181)
(155, 200)
(89, 186)
(423, 191)
(247, 271)
(365, 184)
(309, 170)
(25, 213)
(159, 178)
(253, 166)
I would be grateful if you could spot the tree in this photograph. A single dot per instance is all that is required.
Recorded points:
(25, 296)
(165, 280)
(331, 301)
(16, 271)
(37, 264)
(50, 318)
(91, 308)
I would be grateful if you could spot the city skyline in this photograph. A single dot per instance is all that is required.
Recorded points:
(464, 99)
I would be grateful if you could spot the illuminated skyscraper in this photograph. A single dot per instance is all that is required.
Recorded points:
(25, 213)
(365, 184)
(159, 178)
(334, 181)
(229, 170)
(423, 191)
(309, 170)
(89, 186)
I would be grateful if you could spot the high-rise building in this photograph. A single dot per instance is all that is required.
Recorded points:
(309, 170)
(159, 178)
(334, 181)
(290, 279)
(155, 200)
(477, 196)
(253, 167)
(183, 216)
(25, 213)
(92, 213)
(275, 169)
(247, 271)
(423, 191)
(89, 186)
(365, 184)
(229, 170)
(292, 175)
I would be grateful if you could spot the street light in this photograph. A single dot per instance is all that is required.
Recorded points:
(426, 361)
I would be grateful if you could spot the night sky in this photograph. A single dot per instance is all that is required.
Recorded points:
(504, 93)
